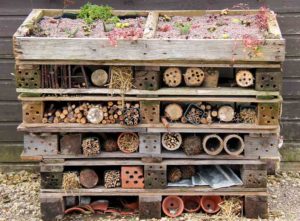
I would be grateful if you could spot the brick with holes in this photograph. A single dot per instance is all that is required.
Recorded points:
(132, 177)
(33, 111)
(40, 144)
(268, 113)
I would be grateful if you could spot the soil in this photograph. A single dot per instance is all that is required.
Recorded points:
(209, 26)
(77, 28)
(19, 200)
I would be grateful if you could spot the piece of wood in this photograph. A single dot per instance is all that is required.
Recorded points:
(254, 178)
(150, 207)
(99, 77)
(192, 191)
(52, 207)
(268, 80)
(70, 144)
(172, 77)
(88, 178)
(170, 99)
(150, 112)
(33, 111)
(34, 48)
(194, 77)
(151, 25)
(155, 176)
(226, 113)
(184, 91)
(36, 144)
(173, 111)
(150, 143)
(244, 78)
(256, 207)
(153, 128)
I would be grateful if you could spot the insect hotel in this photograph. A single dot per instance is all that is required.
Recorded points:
(155, 113)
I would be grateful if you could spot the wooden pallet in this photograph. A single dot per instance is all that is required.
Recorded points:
(39, 50)
(255, 203)
(50, 146)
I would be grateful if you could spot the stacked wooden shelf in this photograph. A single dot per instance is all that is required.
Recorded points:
(58, 145)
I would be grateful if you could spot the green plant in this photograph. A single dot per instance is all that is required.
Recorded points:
(184, 28)
(71, 33)
(90, 13)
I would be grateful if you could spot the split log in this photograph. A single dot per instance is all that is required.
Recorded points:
(95, 115)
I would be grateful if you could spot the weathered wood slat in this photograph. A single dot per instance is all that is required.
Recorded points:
(8, 25)
(8, 91)
(163, 91)
(291, 110)
(7, 67)
(10, 111)
(289, 23)
(6, 48)
(292, 45)
(236, 191)
(291, 67)
(108, 162)
(8, 132)
(170, 99)
(291, 88)
(176, 127)
(290, 130)
(151, 25)
(151, 50)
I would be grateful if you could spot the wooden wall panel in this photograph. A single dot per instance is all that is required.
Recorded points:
(11, 111)
(289, 23)
(8, 132)
(9, 25)
(7, 67)
(291, 110)
(291, 88)
(291, 67)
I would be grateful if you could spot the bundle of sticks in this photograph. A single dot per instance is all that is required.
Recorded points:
(200, 113)
(110, 113)
(63, 76)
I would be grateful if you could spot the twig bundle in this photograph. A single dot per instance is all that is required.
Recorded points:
(174, 174)
(128, 142)
(112, 179)
(90, 146)
(248, 115)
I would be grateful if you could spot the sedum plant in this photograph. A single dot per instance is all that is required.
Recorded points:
(90, 13)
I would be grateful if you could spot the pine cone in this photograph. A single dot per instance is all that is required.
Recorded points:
(192, 145)
(110, 145)
(174, 175)
(187, 171)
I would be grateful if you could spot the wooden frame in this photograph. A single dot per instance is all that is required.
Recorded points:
(38, 50)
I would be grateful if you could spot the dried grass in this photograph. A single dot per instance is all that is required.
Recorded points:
(70, 181)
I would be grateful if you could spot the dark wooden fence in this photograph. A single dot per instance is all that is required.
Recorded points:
(13, 12)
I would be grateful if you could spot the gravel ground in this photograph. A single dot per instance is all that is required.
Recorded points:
(19, 199)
